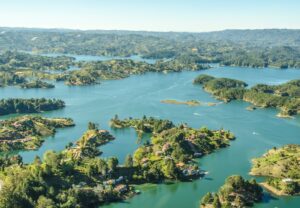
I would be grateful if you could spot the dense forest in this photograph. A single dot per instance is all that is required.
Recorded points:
(285, 96)
(33, 105)
(253, 48)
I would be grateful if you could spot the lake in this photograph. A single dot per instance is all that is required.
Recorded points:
(256, 131)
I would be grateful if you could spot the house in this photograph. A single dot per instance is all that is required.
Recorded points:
(287, 180)
(198, 154)
(121, 188)
(166, 147)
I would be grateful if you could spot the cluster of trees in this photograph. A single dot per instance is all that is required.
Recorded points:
(59, 180)
(11, 79)
(76, 176)
(281, 167)
(257, 48)
(170, 153)
(87, 145)
(144, 125)
(236, 192)
(28, 132)
(37, 84)
(13, 60)
(33, 105)
(286, 96)
(92, 72)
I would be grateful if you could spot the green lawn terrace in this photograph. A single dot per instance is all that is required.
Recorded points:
(281, 166)
(28, 132)
(172, 149)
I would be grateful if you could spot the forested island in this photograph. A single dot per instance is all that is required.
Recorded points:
(93, 72)
(28, 132)
(285, 97)
(171, 151)
(33, 105)
(74, 177)
(236, 193)
(28, 70)
(37, 84)
(282, 169)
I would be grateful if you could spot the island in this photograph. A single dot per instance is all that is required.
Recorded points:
(74, 177)
(25, 69)
(28, 132)
(77, 176)
(33, 105)
(281, 168)
(189, 102)
(37, 84)
(93, 72)
(19, 69)
(87, 145)
(172, 149)
(285, 96)
(236, 192)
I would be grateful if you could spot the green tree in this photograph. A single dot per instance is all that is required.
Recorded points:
(112, 163)
(128, 161)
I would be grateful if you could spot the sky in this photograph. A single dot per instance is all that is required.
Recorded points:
(151, 15)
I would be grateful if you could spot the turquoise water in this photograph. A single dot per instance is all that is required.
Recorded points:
(256, 131)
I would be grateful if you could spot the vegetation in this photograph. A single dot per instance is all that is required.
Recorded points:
(172, 149)
(145, 125)
(12, 60)
(93, 72)
(236, 193)
(249, 48)
(62, 179)
(282, 169)
(37, 84)
(28, 132)
(189, 102)
(286, 96)
(34, 105)
(78, 177)
(87, 145)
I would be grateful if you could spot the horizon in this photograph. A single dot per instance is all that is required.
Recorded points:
(168, 16)
(146, 31)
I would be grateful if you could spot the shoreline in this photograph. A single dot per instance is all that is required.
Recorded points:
(273, 190)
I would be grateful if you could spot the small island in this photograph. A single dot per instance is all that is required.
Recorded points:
(33, 105)
(37, 84)
(176, 102)
(87, 145)
(170, 153)
(28, 132)
(236, 192)
(282, 169)
(285, 97)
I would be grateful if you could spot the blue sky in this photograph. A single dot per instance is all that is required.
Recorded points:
(151, 15)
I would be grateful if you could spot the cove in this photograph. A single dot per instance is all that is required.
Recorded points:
(256, 131)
